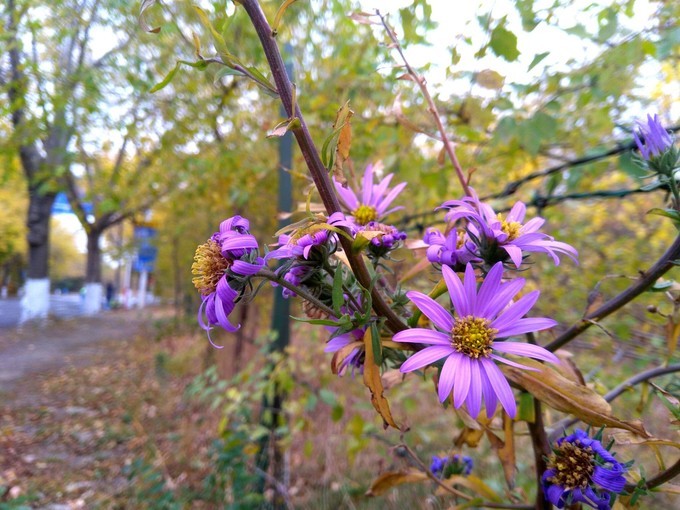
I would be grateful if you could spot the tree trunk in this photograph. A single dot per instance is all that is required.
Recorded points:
(94, 290)
(93, 271)
(35, 303)
(38, 223)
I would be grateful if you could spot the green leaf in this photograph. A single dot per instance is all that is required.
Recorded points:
(279, 15)
(225, 71)
(337, 412)
(526, 11)
(377, 346)
(504, 43)
(538, 58)
(327, 397)
(628, 166)
(668, 213)
(338, 298)
(200, 64)
(661, 286)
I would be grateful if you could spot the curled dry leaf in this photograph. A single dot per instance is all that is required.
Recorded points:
(560, 393)
(393, 478)
(373, 382)
(341, 354)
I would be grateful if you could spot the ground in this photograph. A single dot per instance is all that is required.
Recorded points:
(84, 404)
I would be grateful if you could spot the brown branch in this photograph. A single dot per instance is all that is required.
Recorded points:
(316, 168)
(646, 280)
(420, 81)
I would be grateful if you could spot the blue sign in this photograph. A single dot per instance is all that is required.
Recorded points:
(61, 205)
(147, 251)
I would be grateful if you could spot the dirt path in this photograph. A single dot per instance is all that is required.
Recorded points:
(37, 350)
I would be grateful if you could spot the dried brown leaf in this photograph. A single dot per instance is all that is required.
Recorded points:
(373, 382)
(393, 478)
(558, 392)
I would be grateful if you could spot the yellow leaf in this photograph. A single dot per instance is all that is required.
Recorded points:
(506, 449)
(373, 382)
(672, 333)
(560, 393)
(624, 437)
(393, 478)
(489, 79)
(476, 485)
(342, 122)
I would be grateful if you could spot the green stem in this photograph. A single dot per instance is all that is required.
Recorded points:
(272, 276)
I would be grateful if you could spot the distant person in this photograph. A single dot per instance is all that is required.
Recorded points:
(110, 290)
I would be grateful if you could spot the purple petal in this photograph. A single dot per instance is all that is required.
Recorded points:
(368, 185)
(422, 336)
(456, 292)
(426, 357)
(222, 309)
(516, 311)
(502, 299)
(433, 310)
(607, 479)
(517, 212)
(246, 268)
(526, 326)
(515, 254)
(474, 398)
(447, 375)
(380, 188)
(490, 399)
(488, 289)
(532, 225)
(337, 343)
(500, 386)
(390, 197)
(461, 383)
(529, 350)
(512, 363)
(470, 285)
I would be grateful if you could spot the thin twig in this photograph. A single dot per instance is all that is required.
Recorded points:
(646, 280)
(272, 276)
(420, 81)
(619, 390)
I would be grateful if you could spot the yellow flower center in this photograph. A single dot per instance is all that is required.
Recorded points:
(364, 213)
(511, 228)
(573, 465)
(208, 267)
(460, 240)
(473, 336)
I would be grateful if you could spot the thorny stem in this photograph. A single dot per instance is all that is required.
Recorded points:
(272, 276)
(647, 279)
(311, 155)
(420, 81)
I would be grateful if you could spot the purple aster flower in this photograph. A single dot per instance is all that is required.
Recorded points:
(303, 239)
(499, 238)
(651, 138)
(581, 470)
(454, 249)
(444, 467)
(471, 339)
(222, 267)
(373, 202)
(355, 358)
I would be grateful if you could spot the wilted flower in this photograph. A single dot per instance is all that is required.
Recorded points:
(374, 200)
(498, 238)
(581, 470)
(222, 267)
(355, 358)
(470, 338)
(444, 467)
(651, 138)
